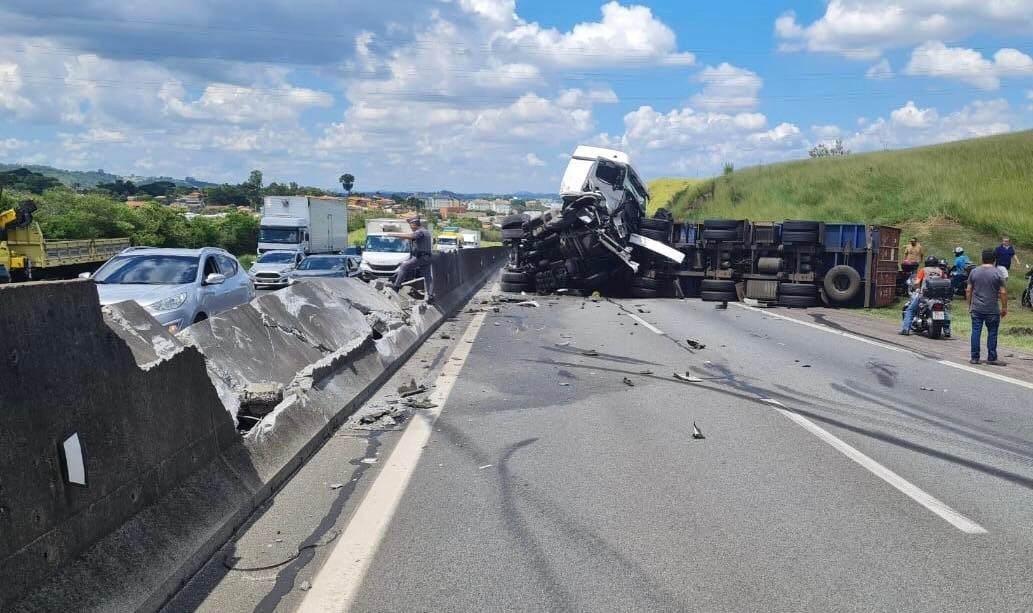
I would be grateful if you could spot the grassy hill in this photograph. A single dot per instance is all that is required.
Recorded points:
(966, 193)
(665, 190)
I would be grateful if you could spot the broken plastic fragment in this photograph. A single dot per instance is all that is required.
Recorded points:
(687, 377)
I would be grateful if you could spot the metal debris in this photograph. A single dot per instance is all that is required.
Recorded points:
(695, 344)
(485, 466)
(687, 377)
(529, 303)
(696, 433)
(629, 382)
(590, 353)
(336, 486)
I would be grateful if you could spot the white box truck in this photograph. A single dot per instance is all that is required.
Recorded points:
(471, 238)
(310, 224)
(382, 254)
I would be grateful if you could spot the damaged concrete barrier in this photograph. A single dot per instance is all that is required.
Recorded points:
(167, 476)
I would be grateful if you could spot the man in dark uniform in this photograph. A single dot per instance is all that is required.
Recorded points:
(420, 260)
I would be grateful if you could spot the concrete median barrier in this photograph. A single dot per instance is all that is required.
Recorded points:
(168, 476)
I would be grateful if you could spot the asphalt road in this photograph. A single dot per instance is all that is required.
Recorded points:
(836, 475)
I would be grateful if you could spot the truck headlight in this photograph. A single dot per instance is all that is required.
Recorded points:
(169, 304)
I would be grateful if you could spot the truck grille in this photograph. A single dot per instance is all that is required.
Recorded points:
(383, 267)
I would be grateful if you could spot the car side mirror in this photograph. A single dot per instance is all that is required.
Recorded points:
(215, 279)
(85, 275)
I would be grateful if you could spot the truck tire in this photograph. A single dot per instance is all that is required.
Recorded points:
(842, 283)
(513, 276)
(799, 225)
(513, 221)
(798, 289)
(663, 225)
(800, 238)
(720, 235)
(647, 283)
(799, 302)
(721, 224)
(718, 290)
(515, 288)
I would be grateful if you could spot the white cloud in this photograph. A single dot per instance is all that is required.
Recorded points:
(879, 71)
(8, 145)
(576, 97)
(223, 102)
(534, 160)
(624, 35)
(934, 59)
(912, 126)
(863, 29)
(910, 116)
(495, 10)
(826, 132)
(728, 88)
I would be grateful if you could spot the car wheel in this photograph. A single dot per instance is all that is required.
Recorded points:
(800, 302)
(842, 283)
(797, 289)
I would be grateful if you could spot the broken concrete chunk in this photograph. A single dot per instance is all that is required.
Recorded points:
(261, 394)
(695, 344)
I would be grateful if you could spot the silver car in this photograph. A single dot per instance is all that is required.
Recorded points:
(178, 287)
(272, 268)
(326, 266)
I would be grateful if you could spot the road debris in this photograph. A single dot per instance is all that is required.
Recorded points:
(529, 303)
(564, 384)
(336, 486)
(927, 389)
(590, 353)
(368, 460)
(485, 466)
(806, 366)
(695, 344)
(563, 344)
(305, 586)
(696, 433)
(629, 382)
(687, 377)
(446, 337)
(644, 311)
(645, 372)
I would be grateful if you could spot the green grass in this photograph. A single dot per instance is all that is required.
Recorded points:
(246, 260)
(663, 191)
(966, 193)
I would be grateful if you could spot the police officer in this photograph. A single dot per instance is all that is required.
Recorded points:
(420, 260)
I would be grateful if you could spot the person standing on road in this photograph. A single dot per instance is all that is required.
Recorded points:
(913, 253)
(421, 258)
(1003, 256)
(985, 288)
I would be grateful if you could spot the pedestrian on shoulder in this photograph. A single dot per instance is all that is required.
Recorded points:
(1004, 255)
(913, 252)
(987, 299)
(421, 259)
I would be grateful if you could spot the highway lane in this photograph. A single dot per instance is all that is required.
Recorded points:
(549, 483)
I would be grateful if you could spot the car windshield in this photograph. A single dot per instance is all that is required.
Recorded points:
(322, 264)
(276, 257)
(148, 270)
(387, 243)
(270, 234)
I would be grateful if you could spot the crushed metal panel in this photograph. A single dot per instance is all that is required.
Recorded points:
(74, 461)
(657, 247)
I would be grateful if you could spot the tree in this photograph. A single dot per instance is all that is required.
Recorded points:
(821, 150)
(118, 187)
(347, 182)
(255, 179)
(23, 179)
(157, 188)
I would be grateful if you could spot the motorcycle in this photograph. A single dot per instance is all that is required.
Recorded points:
(959, 278)
(933, 317)
(1027, 294)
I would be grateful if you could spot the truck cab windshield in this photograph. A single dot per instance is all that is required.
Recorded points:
(278, 235)
(390, 244)
(276, 257)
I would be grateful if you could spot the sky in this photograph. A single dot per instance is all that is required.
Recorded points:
(493, 95)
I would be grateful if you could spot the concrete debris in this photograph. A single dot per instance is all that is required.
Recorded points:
(687, 377)
(629, 382)
(564, 384)
(806, 366)
(368, 460)
(261, 395)
(590, 353)
(927, 389)
(529, 303)
(446, 337)
(305, 586)
(336, 486)
(563, 344)
(644, 311)
(695, 344)
(696, 433)
(645, 372)
(378, 418)
(422, 403)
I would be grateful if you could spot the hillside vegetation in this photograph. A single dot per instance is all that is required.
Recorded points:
(663, 191)
(984, 185)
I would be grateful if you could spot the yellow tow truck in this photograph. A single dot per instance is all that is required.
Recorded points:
(26, 255)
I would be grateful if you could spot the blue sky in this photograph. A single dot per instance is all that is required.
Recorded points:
(492, 95)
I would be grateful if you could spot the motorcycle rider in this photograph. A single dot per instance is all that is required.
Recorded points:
(931, 270)
(958, 271)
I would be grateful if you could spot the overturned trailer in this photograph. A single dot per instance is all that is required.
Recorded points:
(599, 239)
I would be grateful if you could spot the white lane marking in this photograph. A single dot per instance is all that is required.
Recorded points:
(910, 490)
(964, 367)
(337, 582)
(645, 323)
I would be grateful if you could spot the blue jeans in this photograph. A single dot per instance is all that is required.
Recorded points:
(993, 322)
(909, 314)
